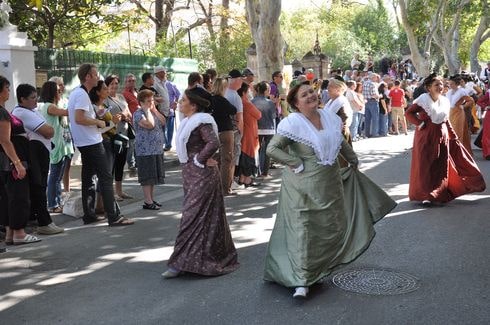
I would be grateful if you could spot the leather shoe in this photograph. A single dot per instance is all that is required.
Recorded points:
(87, 221)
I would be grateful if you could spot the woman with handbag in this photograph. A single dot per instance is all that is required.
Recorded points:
(97, 96)
(116, 104)
(14, 182)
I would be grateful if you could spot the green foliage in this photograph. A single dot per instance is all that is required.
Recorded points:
(75, 23)
(227, 51)
(343, 30)
(170, 49)
(341, 47)
(469, 24)
(374, 29)
(419, 11)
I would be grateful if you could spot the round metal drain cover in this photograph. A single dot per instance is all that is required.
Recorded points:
(376, 282)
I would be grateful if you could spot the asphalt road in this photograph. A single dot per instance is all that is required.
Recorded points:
(101, 275)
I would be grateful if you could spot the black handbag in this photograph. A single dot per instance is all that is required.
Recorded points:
(131, 132)
(119, 143)
(5, 164)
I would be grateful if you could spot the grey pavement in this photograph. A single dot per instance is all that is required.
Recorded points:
(100, 275)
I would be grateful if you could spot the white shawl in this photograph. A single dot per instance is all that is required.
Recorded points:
(186, 127)
(336, 104)
(326, 143)
(438, 111)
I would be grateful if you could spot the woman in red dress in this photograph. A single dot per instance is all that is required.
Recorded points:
(442, 169)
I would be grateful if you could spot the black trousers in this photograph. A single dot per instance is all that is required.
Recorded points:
(14, 201)
(38, 181)
(116, 160)
(94, 163)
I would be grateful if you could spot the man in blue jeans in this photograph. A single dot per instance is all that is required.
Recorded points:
(173, 97)
(371, 115)
(88, 139)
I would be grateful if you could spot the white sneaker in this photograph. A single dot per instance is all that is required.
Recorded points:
(300, 292)
(50, 229)
(235, 186)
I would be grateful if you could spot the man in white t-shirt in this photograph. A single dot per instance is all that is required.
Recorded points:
(88, 139)
(234, 83)
(39, 134)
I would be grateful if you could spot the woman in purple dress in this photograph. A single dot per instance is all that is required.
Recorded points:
(204, 244)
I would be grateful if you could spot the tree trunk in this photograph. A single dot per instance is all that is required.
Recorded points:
(160, 29)
(50, 39)
(420, 60)
(224, 32)
(448, 39)
(263, 19)
(481, 35)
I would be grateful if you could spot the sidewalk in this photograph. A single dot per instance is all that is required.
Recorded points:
(170, 161)
(130, 186)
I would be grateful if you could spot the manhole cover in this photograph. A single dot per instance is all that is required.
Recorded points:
(376, 282)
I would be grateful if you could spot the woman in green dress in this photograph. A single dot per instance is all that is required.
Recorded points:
(315, 230)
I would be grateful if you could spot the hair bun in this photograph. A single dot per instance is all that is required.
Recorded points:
(201, 92)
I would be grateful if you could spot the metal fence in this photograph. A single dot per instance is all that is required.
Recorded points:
(64, 62)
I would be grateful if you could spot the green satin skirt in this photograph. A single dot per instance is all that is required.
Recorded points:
(324, 219)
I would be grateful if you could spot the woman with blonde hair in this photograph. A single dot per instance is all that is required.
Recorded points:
(339, 104)
(222, 110)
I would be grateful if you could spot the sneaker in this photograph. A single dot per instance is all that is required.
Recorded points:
(235, 186)
(300, 292)
(50, 229)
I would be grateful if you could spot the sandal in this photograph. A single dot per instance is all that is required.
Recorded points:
(28, 239)
(125, 196)
(122, 221)
(157, 203)
(56, 210)
(150, 206)
(251, 184)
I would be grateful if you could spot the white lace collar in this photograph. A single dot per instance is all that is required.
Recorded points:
(438, 111)
(335, 104)
(326, 143)
(188, 125)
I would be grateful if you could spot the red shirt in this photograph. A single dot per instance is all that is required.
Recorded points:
(397, 96)
(131, 99)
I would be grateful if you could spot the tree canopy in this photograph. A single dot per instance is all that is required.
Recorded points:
(454, 32)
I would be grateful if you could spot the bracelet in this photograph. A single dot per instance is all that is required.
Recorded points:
(16, 162)
(197, 163)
